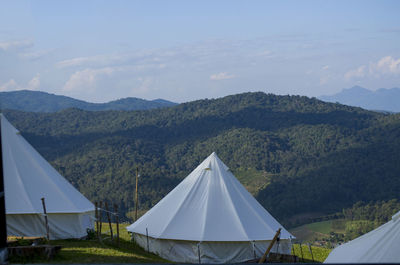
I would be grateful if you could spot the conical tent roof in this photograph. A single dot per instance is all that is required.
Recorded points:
(28, 177)
(381, 245)
(209, 205)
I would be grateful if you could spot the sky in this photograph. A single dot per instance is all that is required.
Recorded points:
(186, 50)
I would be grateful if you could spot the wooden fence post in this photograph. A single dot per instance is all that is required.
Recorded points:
(301, 251)
(309, 247)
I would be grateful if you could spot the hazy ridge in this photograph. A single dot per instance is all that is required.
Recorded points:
(37, 101)
(379, 100)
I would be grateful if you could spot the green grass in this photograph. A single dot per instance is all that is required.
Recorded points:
(311, 232)
(324, 227)
(319, 230)
(357, 223)
(123, 233)
(254, 180)
(93, 251)
(319, 253)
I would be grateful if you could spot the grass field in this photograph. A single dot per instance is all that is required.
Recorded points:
(318, 230)
(253, 180)
(319, 254)
(324, 227)
(92, 251)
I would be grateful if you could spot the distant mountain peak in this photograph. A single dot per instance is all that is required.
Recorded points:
(382, 99)
(160, 100)
(358, 88)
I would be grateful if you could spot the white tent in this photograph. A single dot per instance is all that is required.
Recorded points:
(209, 218)
(28, 177)
(381, 245)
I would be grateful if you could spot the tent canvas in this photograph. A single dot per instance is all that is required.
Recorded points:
(28, 177)
(209, 217)
(381, 245)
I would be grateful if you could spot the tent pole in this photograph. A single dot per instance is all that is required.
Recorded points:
(147, 237)
(254, 249)
(117, 221)
(136, 193)
(264, 257)
(46, 220)
(96, 212)
(109, 220)
(198, 252)
(100, 221)
(3, 224)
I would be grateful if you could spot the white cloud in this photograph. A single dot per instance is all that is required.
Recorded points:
(86, 79)
(12, 45)
(107, 60)
(309, 72)
(145, 85)
(197, 55)
(34, 84)
(75, 62)
(386, 65)
(221, 76)
(265, 53)
(356, 73)
(33, 55)
(324, 80)
(11, 85)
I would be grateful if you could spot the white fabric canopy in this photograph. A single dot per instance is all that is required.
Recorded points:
(381, 245)
(209, 205)
(28, 177)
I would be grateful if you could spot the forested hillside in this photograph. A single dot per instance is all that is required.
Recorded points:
(297, 155)
(37, 101)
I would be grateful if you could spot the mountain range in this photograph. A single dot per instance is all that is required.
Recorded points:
(298, 156)
(37, 101)
(379, 100)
